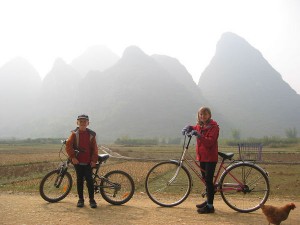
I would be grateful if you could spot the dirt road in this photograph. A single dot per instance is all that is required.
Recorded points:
(31, 209)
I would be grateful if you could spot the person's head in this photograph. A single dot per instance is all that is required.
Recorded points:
(83, 121)
(204, 115)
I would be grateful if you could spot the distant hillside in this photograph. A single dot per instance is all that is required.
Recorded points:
(139, 97)
(142, 96)
(94, 58)
(247, 90)
(20, 84)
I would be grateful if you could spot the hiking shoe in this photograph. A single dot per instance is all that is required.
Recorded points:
(206, 210)
(199, 206)
(80, 203)
(93, 204)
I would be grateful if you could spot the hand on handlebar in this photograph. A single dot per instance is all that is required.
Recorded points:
(195, 133)
(186, 129)
(78, 151)
(75, 160)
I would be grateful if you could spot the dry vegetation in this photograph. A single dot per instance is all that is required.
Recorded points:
(22, 167)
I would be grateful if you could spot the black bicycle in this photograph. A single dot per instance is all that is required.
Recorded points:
(116, 187)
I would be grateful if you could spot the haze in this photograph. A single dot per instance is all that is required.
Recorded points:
(41, 31)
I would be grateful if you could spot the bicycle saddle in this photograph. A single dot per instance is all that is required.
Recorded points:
(226, 155)
(102, 157)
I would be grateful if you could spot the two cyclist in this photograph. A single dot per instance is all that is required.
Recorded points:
(84, 140)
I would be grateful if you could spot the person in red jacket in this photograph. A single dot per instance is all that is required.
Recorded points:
(84, 140)
(207, 133)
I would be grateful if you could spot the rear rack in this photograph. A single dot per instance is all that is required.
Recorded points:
(250, 152)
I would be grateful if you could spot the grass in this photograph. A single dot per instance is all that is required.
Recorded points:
(23, 166)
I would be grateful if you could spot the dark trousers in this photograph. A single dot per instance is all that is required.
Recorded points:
(208, 175)
(84, 172)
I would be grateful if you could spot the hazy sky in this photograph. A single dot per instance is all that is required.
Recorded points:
(42, 30)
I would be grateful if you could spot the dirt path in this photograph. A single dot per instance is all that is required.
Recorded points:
(31, 209)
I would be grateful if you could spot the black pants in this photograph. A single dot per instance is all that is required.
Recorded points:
(84, 172)
(208, 175)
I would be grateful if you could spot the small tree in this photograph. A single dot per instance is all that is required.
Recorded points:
(236, 134)
(291, 133)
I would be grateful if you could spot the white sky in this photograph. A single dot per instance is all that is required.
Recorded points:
(42, 30)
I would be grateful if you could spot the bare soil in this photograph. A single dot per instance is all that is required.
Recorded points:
(30, 209)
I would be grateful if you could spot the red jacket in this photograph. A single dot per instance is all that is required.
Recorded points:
(207, 144)
(88, 143)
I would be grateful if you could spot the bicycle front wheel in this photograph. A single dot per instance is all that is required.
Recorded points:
(167, 184)
(244, 187)
(55, 186)
(117, 187)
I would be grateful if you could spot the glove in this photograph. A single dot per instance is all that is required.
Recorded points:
(186, 129)
(195, 133)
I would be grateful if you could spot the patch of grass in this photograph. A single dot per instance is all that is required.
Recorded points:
(284, 179)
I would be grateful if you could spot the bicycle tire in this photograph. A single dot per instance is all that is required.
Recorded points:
(256, 187)
(49, 192)
(112, 181)
(166, 194)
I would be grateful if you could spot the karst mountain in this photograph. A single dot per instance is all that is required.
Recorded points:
(147, 96)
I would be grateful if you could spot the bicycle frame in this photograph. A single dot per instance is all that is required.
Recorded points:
(63, 167)
(96, 176)
(194, 165)
(65, 164)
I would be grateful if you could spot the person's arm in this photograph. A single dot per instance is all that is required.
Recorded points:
(94, 152)
(70, 150)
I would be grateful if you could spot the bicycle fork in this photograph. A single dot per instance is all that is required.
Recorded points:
(61, 174)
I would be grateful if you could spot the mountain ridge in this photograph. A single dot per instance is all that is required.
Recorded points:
(246, 81)
(145, 96)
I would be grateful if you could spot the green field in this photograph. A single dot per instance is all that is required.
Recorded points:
(22, 166)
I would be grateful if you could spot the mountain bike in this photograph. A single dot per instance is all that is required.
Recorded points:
(243, 185)
(116, 187)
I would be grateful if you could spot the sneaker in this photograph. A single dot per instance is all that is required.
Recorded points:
(93, 204)
(206, 210)
(199, 206)
(80, 203)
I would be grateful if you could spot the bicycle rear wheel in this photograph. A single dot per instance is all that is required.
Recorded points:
(55, 186)
(167, 184)
(117, 187)
(244, 187)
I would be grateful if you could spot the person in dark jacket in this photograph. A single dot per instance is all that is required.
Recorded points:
(207, 132)
(84, 140)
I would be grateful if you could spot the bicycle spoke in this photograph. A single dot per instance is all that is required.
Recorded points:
(54, 187)
(166, 185)
(252, 191)
(117, 187)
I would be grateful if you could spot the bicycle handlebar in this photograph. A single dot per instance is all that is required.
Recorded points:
(77, 151)
(191, 133)
(64, 142)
